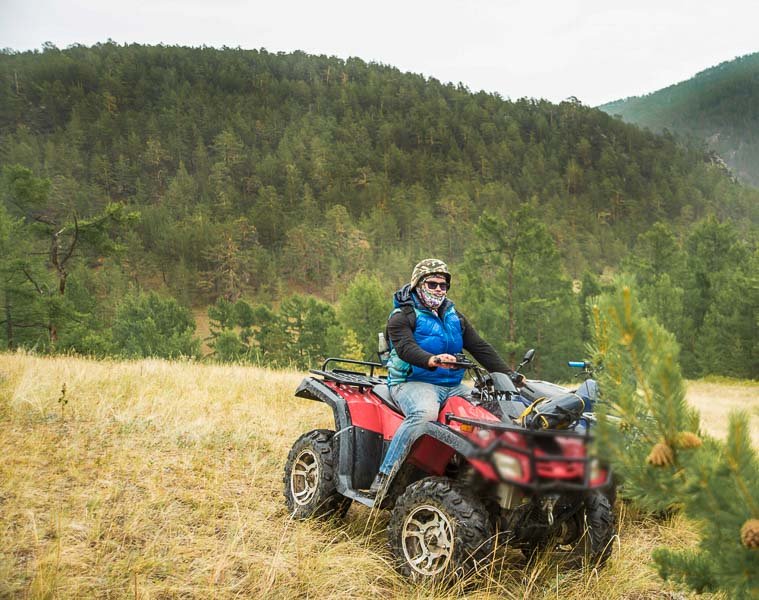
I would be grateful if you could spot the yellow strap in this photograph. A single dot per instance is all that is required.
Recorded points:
(533, 407)
(530, 408)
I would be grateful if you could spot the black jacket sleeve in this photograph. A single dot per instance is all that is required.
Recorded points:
(402, 336)
(482, 352)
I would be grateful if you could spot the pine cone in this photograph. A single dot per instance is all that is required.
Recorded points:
(750, 534)
(686, 440)
(661, 455)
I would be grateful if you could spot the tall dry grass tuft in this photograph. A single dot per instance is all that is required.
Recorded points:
(164, 480)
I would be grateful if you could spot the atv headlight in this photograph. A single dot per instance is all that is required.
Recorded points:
(595, 469)
(508, 466)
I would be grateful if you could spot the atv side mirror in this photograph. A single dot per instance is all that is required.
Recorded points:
(528, 356)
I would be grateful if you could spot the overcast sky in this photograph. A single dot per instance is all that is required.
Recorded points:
(596, 50)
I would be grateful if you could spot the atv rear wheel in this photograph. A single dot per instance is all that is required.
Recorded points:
(439, 529)
(310, 477)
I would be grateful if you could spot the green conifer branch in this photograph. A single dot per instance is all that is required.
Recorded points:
(662, 460)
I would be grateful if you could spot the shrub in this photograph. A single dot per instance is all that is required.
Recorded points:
(153, 325)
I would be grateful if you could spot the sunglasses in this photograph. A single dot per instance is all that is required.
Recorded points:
(433, 285)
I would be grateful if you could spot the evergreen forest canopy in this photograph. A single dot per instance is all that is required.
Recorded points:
(292, 193)
(719, 106)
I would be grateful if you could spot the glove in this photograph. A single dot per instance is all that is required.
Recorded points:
(517, 378)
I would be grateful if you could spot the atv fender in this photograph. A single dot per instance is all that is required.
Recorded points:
(431, 457)
(434, 454)
(313, 389)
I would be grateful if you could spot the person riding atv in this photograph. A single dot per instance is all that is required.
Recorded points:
(458, 471)
(426, 332)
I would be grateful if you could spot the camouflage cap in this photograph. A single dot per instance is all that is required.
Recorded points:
(429, 266)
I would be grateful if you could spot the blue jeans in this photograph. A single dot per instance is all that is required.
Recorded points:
(421, 403)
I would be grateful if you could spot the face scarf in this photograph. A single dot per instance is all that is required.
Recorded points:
(427, 298)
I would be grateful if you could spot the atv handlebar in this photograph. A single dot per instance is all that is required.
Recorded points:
(458, 364)
(579, 364)
(588, 369)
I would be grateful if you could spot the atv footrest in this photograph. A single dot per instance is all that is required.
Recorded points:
(361, 498)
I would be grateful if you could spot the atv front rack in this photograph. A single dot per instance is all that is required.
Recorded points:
(532, 456)
(359, 379)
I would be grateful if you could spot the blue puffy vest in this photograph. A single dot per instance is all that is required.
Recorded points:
(436, 336)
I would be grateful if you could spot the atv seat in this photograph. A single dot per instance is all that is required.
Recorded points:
(383, 391)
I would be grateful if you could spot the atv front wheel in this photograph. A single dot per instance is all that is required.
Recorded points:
(439, 529)
(598, 529)
(585, 538)
(310, 477)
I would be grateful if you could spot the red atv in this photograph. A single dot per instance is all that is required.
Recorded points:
(483, 466)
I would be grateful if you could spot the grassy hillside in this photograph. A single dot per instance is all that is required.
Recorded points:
(152, 479)
(719, 105)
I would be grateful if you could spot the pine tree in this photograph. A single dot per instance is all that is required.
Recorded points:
(147, 324)
(363, 310)
(62, 233)
(23, 319)
(515, 289)
(641, 380)
(653, 440)
(721, 494)
(351, 347)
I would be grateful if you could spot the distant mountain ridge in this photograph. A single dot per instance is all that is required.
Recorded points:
(719, 105)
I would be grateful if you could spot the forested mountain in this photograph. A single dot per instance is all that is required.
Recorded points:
(238, 177)
(719, 106)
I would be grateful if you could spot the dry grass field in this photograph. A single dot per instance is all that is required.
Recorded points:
(715, 399)
(152, 479)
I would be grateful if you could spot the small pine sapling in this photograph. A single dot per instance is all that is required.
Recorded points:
(654, 442)
(653, 433)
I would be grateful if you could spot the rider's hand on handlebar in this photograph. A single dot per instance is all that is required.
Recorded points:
(444, 361)
(517, 378)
